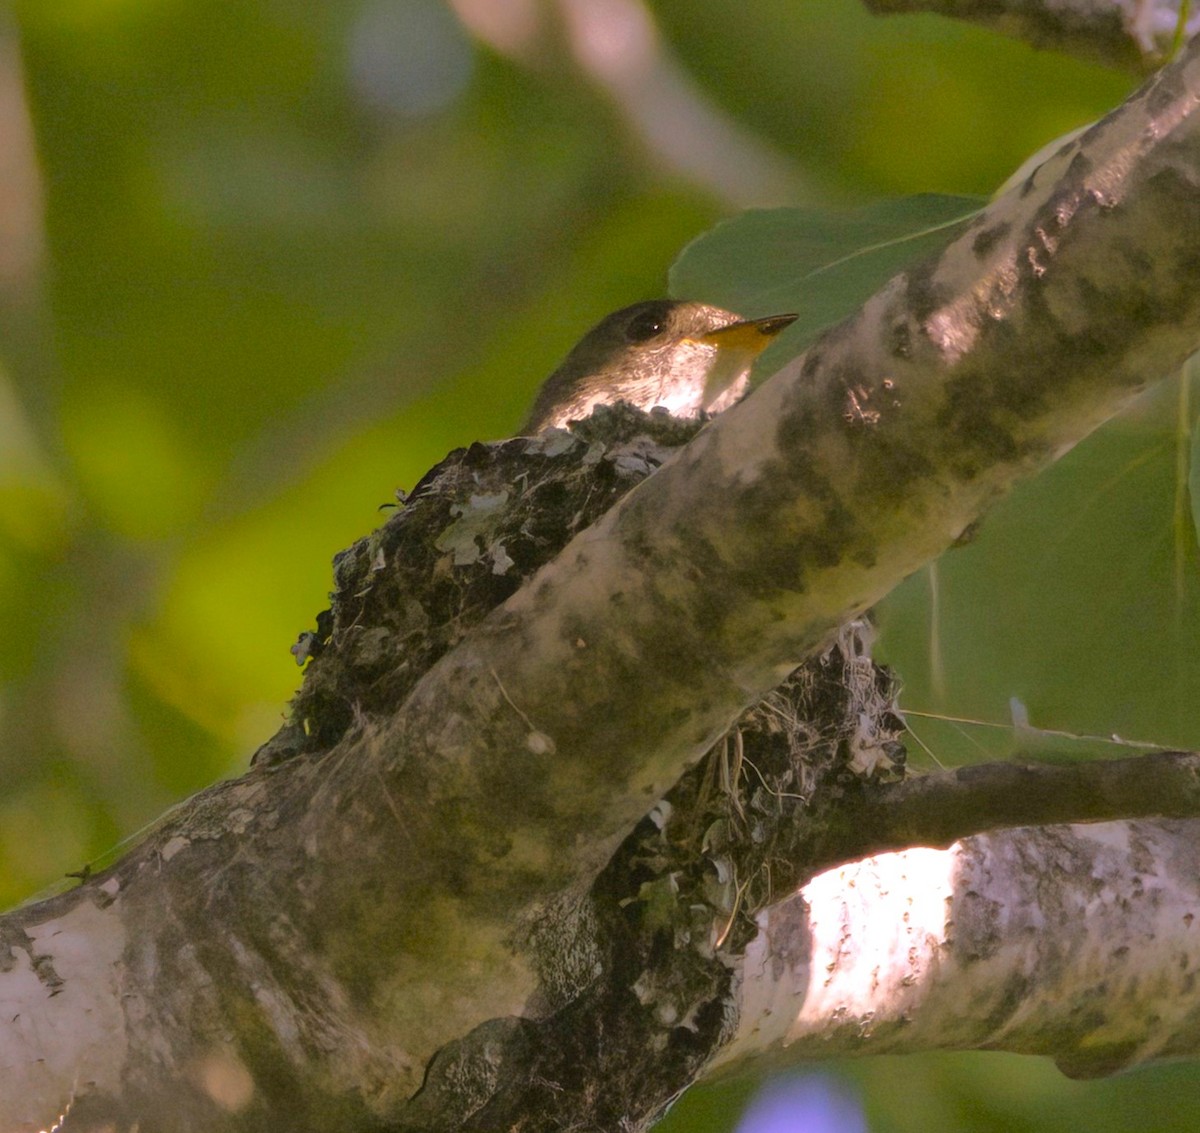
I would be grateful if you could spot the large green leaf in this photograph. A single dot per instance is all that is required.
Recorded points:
(1075, 609)
(820, 263)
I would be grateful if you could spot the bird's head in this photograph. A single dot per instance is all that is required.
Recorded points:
(687, 357)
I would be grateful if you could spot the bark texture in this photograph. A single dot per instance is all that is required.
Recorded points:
(1077, 942)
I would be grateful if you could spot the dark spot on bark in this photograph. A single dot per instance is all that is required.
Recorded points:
(886, 469)
(838, 528)
(922, 294)
(43, 968)
(987, 240)
(1111, 319)
(900, 339)
(865, 557)
(1081, 165)
(796, 423)
(972, 413)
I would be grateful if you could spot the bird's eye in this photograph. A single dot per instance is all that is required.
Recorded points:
(645, 326)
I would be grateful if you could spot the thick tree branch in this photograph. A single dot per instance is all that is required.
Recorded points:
(1076, 942)
(309, 936)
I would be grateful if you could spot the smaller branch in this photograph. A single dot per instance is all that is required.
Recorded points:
(938, 809)
(1134, 35)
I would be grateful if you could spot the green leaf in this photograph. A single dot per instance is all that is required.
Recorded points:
(1078, 566)
(819, 263)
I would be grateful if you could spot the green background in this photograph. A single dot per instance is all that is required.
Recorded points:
(263, 262)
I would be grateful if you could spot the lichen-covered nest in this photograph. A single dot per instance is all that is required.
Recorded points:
(464, 539)
(470, 533)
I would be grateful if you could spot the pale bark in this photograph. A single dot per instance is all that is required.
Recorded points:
(294, 947)
(1078, 942)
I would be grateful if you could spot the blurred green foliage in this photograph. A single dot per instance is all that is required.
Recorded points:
(262, 263)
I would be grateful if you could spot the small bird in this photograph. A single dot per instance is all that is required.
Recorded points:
(686, 357)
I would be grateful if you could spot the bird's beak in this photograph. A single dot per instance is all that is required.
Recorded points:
(738, 344)
(750, 335)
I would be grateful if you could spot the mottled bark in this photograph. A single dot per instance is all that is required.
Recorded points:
(1077, 942)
